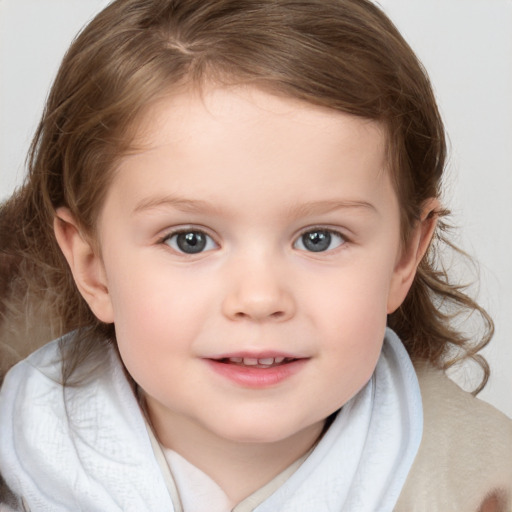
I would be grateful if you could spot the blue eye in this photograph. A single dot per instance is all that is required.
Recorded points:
(319, 240)
(190, 242)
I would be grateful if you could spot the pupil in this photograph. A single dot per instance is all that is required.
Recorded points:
(191, 243)
(316, 241)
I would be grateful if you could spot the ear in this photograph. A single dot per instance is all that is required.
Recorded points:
(85, 264)
(412, 254)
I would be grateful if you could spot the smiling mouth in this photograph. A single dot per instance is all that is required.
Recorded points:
(257, 371)
(252, 362)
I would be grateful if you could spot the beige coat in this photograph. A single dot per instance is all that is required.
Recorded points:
(465, 455)
(464, 463)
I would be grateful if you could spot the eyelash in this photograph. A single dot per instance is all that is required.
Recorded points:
(202, 239)
(199, 241)
(327, 236)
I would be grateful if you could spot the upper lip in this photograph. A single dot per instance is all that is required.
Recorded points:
(257, 355)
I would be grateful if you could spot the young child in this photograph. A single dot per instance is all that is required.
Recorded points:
(232, 215)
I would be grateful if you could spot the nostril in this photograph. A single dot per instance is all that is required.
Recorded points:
(277, 315)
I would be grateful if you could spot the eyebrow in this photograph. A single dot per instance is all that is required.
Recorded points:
(179, 203)
(327, 206)
(295, 211)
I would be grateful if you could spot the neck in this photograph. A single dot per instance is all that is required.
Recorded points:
(239, 468)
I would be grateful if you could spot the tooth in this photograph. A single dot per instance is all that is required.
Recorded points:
(250, 361)
(237, 360)
(266, 361)
(278, 359)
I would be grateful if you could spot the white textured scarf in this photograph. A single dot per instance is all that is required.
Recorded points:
(87, 449)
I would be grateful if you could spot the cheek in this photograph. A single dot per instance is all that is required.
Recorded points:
(353, 301)
(352, 320)
(158, 313)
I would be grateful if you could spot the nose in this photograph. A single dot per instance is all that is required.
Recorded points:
(259, 292)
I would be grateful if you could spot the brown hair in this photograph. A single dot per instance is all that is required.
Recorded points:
(342, 54)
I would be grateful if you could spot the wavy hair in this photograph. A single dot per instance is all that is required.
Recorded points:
(342, 54)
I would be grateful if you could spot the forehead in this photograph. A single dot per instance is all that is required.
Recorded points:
(205, 142)
(194, 110)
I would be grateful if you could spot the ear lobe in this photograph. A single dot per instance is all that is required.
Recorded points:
(85, 264)
(412, 254)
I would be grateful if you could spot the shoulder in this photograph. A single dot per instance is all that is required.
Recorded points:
(33, 387)
(38, 375)
(34, 403)
(26, 385)
(465, 453)
(77, 447)
(37, 419)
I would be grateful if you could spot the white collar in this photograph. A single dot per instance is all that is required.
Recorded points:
(362, 461)
(87, 448)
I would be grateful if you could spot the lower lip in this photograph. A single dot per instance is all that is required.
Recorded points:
(257, 378)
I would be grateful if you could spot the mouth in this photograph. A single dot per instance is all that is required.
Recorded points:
(257, 362)
(257, 370)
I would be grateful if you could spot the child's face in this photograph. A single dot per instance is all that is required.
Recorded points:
(253, 228)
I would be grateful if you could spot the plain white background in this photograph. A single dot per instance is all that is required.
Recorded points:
(466, 45)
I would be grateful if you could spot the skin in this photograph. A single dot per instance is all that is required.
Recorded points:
(492, 504)
(253, 172)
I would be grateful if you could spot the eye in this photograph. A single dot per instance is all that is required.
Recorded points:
(319, 240)
(190, 242)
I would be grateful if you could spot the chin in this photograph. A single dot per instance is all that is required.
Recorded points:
(251, 435)
(268, 433)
